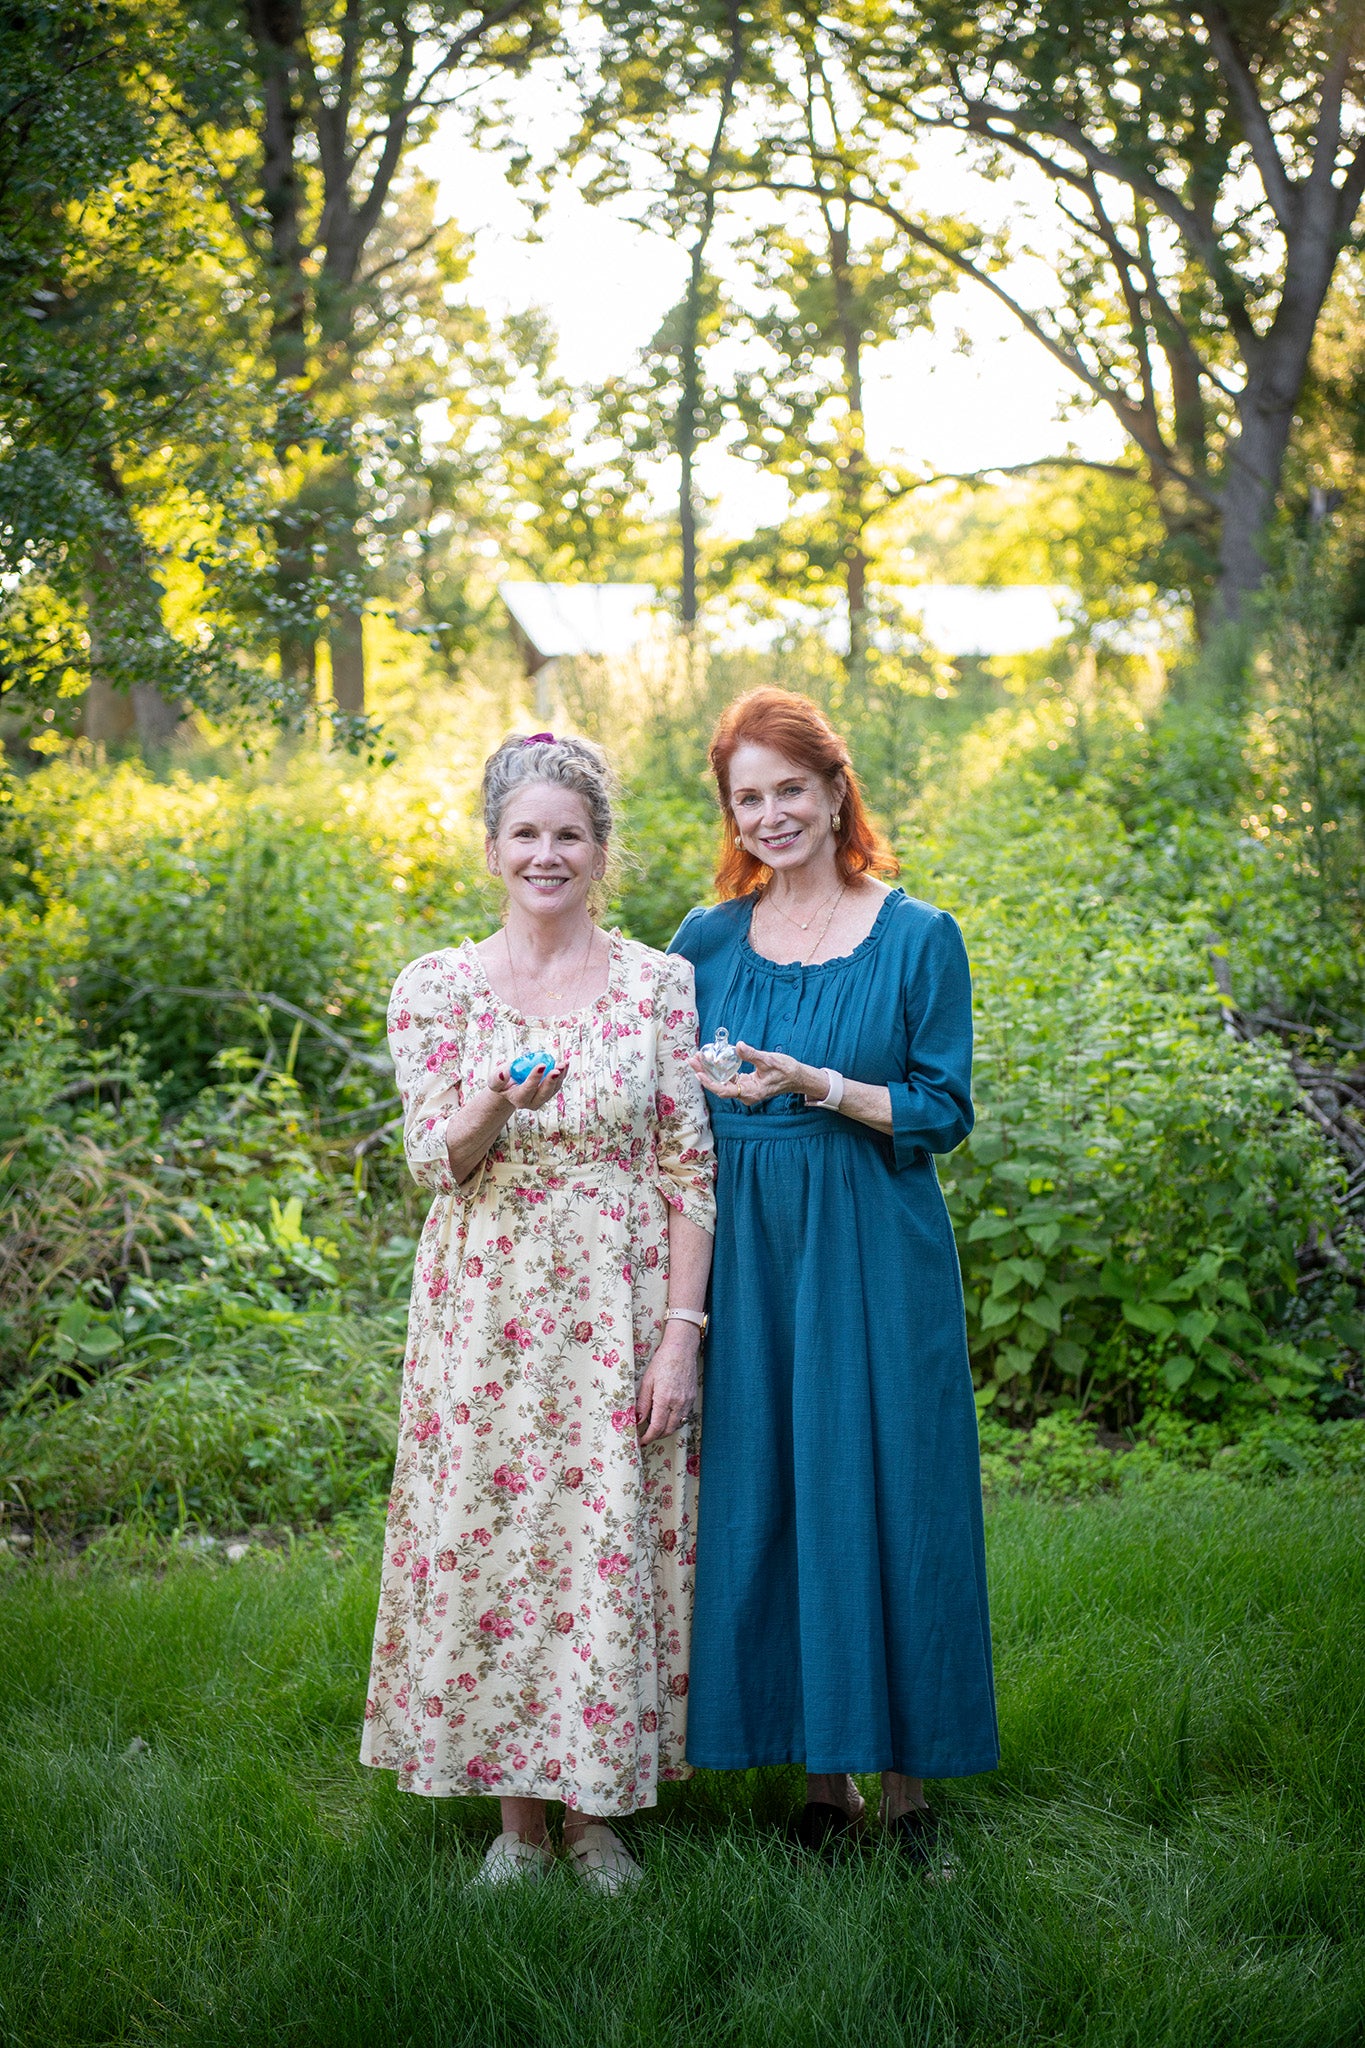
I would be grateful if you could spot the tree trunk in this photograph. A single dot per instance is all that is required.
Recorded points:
(1254, 462)
(853, 466)
(689, 406)
(275, 28)
(687, 514)
(346, 589)
(158, 718)
(346, 621)
(127, 634)
(107, 713)
(856, 577)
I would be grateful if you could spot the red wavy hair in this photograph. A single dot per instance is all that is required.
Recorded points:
(797, 729)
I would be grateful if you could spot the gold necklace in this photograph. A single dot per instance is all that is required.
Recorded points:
(820, 935)
(811, 919)
(554, 995)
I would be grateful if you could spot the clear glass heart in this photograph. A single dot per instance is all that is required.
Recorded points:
(721, 1059)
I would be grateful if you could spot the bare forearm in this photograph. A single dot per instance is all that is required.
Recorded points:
(867, 1102)
(668, 1391)
(474, 1129)
(689, 1261)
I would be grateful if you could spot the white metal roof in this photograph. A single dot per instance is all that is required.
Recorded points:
(580, 618)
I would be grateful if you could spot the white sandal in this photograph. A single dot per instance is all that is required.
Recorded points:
(603, 1861)
(512, 1861)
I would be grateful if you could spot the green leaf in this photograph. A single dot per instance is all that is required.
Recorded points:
(1121, 1280)
(286, 1225)
(1176, 1371)
(1204, 1269)
(1006, 1277)
(989, 1226)
(996, 1313)
(1041, 1310)
(101, 1342)
(1149, 1316)
(1069, 1357)
(1044, 1235)
(1198, 1326)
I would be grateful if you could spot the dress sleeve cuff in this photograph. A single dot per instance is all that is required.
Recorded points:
(428, 1159)
(924, 1121)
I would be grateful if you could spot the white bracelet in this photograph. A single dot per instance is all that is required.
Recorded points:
(836, 1090)
(686, 1315)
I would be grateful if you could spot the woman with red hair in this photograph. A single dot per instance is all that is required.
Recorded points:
(841, 1616)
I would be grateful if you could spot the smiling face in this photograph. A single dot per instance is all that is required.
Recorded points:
(782, 811)
(545, 851)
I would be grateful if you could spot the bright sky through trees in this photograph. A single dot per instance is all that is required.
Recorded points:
(606, 283)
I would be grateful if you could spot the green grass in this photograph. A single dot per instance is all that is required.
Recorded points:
(1170, 1854)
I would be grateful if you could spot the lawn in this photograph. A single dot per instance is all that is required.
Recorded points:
(1171, 1852)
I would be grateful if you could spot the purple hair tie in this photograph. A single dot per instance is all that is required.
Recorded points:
(539, 739)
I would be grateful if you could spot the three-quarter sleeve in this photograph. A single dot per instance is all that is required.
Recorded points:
(426, 1039)
(685, 1152)
(932, 1110)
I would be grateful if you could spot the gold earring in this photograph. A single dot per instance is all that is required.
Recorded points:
(836, 820)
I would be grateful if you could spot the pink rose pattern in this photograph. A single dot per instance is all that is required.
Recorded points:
(536, 1598)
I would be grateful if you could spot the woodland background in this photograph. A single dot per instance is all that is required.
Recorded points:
(264, 463)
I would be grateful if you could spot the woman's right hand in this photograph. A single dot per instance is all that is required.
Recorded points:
(539, 1087)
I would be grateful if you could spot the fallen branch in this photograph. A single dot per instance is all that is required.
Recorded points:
(361, 1148)
(1334, 1099)
(88, 1084)
(377, 1062)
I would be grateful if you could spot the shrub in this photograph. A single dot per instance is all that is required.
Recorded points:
(1130, 1206)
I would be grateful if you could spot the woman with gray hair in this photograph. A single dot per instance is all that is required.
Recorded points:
(535, 1605)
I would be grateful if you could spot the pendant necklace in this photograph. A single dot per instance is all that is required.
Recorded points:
(814, 914)
(554, 995)
(806, 958)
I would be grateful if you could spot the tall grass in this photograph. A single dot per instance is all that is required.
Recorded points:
(1169, 1855)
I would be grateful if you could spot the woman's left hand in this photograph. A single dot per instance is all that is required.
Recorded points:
(668, 1391)
(775, 1073)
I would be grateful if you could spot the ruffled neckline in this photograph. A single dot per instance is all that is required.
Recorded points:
(468, 952)
(865, 945)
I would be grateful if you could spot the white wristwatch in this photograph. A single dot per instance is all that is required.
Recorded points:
(688, 1315)
(836, 1090)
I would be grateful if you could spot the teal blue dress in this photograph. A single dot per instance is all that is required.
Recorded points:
(841, 1616)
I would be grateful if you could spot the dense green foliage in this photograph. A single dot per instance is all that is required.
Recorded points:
(1132, 1202)
(1169, 1854)
(207, 1229)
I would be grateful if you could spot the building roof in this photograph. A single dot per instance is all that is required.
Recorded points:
(555, 619)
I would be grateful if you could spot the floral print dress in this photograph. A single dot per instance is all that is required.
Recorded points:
(535, 1604)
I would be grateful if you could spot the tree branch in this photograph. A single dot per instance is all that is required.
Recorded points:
(983, 476)
(377, 1062)
(1279, 189)
(1013, 133)
(1330, 95)
(1128, 414)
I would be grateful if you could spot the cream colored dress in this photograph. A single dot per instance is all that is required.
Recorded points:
(535, 1605)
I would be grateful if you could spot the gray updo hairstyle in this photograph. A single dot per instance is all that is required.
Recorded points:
(571, 762)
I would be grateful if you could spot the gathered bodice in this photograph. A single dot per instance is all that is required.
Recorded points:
(896, 1011)
(630, 1102)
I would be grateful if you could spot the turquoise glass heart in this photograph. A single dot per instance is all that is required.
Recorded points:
(525, 1064)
